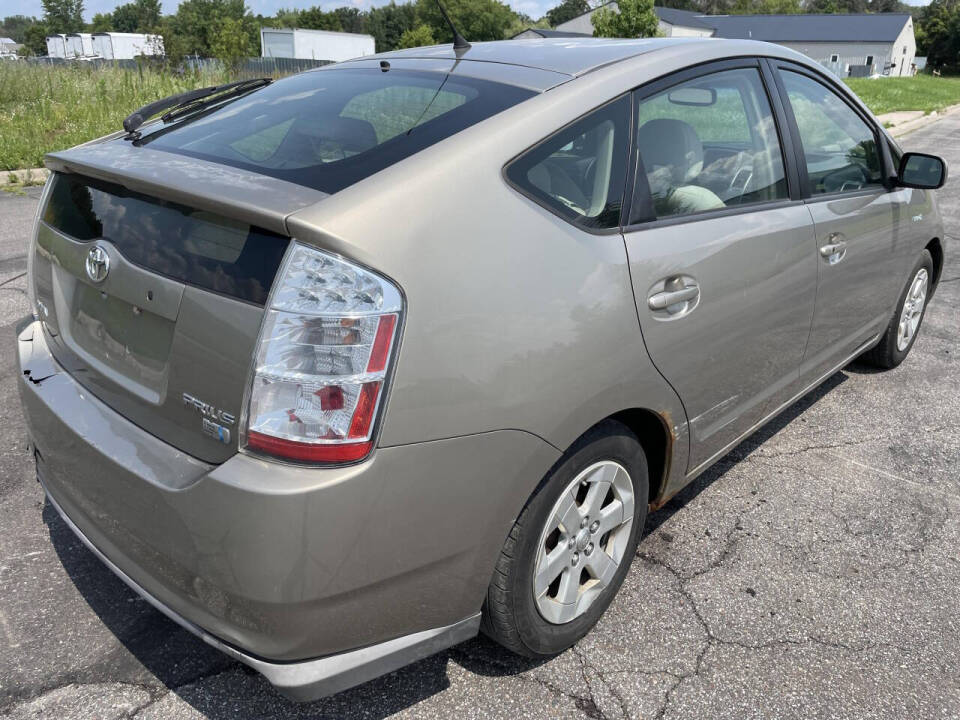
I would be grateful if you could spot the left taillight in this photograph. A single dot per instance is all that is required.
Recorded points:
(328, 337)
(35, 306)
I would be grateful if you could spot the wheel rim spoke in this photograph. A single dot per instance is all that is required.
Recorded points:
(569, 587)
(611, 517)
(602, 567)
(549, 568)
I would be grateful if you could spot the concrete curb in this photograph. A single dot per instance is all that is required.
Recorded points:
(35, 176)
(908, 127)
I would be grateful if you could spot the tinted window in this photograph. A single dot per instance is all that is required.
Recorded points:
(579, 172)
(189, 245)
(710, 143)
(839, 146)
(329, 129)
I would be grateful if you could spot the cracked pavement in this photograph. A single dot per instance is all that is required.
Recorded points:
(814, 572)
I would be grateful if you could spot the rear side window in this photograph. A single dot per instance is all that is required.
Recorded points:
(193, 246)
(579, 172)
(332, 128)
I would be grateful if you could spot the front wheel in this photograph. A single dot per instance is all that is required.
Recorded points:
(902, 331)
(569, 551)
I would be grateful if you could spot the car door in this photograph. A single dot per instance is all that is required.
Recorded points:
(720, 248)
(841, 169)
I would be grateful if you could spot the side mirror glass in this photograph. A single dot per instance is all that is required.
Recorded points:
(922, 171)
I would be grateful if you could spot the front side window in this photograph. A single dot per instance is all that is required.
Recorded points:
(579, 172)
(710, 143)
(328, 129)
(839, 147)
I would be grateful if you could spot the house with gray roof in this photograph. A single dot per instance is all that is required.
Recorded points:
(856, 44)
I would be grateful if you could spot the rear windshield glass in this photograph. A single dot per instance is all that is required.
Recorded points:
(331, 128)
(183, 243)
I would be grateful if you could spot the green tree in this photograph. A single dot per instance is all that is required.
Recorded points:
(102, 22)
(35, 40)
(351, 19)
(317, 19)
(230, 43)
(766, 7)
(283, 19)
(567, 10)
(941, 34)
(63, 16)
(632, 19)
(419, 36)
(15, 27)
(191, 31)
(388, 23)
(136, 16)
(475, 19)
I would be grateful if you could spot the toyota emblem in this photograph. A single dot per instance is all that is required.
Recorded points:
(98, 264)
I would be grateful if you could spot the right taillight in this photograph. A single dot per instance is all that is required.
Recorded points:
(328, 336)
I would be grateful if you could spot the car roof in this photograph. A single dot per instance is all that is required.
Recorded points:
(569, 56)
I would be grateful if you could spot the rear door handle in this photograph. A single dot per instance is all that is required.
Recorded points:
(663, 300)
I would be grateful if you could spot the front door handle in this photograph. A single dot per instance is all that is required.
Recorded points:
(835, 249)
(663, 300)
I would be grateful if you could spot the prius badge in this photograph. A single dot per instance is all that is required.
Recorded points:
(98, 264)
(215, 422)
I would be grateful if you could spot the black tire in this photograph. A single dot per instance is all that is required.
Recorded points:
(510, 613)
(885, 354)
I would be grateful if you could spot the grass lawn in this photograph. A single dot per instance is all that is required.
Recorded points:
(922, 92)
(46, 108)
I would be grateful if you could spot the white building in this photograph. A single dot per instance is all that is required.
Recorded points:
(673, 23)
(881, 43)
(314, 44)
(126, 46)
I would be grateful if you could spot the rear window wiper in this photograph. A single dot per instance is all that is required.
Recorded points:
(183, 103)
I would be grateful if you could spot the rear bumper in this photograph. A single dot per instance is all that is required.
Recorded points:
(311, 679)
(318, 578)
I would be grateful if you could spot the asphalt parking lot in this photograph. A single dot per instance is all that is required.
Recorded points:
(814, 572)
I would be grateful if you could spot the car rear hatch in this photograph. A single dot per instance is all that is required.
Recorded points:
(151, 274)
(156, 251)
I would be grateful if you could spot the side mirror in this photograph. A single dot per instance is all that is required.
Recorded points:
(922, 171)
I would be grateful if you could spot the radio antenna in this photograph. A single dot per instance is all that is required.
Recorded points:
(459, 42)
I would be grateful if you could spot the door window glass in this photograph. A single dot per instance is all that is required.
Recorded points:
(710, 143)
(839, 146)
(579, 172)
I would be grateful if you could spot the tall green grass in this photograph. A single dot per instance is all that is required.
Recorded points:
(45, 108)
(922, 92)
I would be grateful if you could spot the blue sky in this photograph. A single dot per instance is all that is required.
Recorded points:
(533, 8)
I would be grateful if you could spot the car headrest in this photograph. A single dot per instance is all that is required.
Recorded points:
(349, 133)
(671, 144)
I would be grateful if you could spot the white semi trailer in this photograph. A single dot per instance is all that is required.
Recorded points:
(126, 46)
(79, 45)
(314, 44)
(57, 46)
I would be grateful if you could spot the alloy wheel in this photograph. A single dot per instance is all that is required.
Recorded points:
(912, 309)
(584, 541)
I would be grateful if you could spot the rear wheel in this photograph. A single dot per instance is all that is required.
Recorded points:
(902, 331)
(569, 551)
